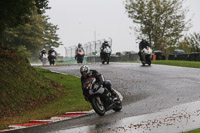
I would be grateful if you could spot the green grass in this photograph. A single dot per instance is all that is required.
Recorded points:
(193, 64)
(194, 131)
(20, 85)
(68, 98)
(29, 93)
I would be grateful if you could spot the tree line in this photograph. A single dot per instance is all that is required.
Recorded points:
(24, 26)
(163, 23)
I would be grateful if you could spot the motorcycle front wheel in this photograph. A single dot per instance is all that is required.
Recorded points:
(148, 58)
(108, 60)
(98, 105)
(119, 104)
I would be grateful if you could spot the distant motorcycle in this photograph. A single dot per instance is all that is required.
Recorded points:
(101, 99)
(146, 54)
(44, 59)
(106, 55)
(52, 58)
(80, 55)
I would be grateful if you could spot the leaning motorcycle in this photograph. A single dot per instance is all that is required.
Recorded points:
(146, 54)
(80, 56)
(44, 59)
(101, 99)
(106, 55)
(52, 58)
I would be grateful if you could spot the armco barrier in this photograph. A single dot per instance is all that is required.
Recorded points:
(188, 57)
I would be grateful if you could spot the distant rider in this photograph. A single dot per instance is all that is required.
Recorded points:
(86, 73)
(51, 51)
(80, 48)
(43, 52)
(51, 54)
(104, 45)
(143, 44)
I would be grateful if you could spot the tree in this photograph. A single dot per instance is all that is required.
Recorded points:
(33, 36)
(161, 22)
(193, 40)
(18, 12)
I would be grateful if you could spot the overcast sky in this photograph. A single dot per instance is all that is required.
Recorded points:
(79, 20)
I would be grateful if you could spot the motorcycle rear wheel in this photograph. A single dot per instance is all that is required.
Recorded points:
(98, 105)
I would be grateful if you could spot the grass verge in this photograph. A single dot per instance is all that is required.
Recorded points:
(193, 64)
(194, 131)
(70, 99)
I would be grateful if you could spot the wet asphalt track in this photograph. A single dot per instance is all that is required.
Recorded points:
(145, 90)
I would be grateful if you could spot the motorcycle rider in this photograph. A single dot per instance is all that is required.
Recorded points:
(143, 44)
(42, 53)
(86, 73)
(104, 45)
(79, 48)
(51, 51)
(51, 54)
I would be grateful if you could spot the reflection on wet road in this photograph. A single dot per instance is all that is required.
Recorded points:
(180, 118)
(146, 90)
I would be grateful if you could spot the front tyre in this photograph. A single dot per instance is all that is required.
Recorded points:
(150, 63)
(98, 105)
(108, 60)
(149, 60)
(118, 105)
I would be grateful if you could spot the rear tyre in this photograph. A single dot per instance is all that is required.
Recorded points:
(98, 105)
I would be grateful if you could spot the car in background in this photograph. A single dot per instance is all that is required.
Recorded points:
(178, 51)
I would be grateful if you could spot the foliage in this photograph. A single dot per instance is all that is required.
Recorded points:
(23, 51)
(28, 93)
(161, 22)
(18, 12)
(22, 88)
(193, 40)
(33, 36)
(184, 45)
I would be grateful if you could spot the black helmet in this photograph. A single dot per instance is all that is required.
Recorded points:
(84, 70)
(105, 41)
(79, 45)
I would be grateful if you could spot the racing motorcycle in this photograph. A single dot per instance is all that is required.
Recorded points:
(80, 55)
(101, 99)
(106, 55)
(146, 54)
(52, 58)
(44, 59)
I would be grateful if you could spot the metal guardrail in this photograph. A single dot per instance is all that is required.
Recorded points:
(188, 57)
